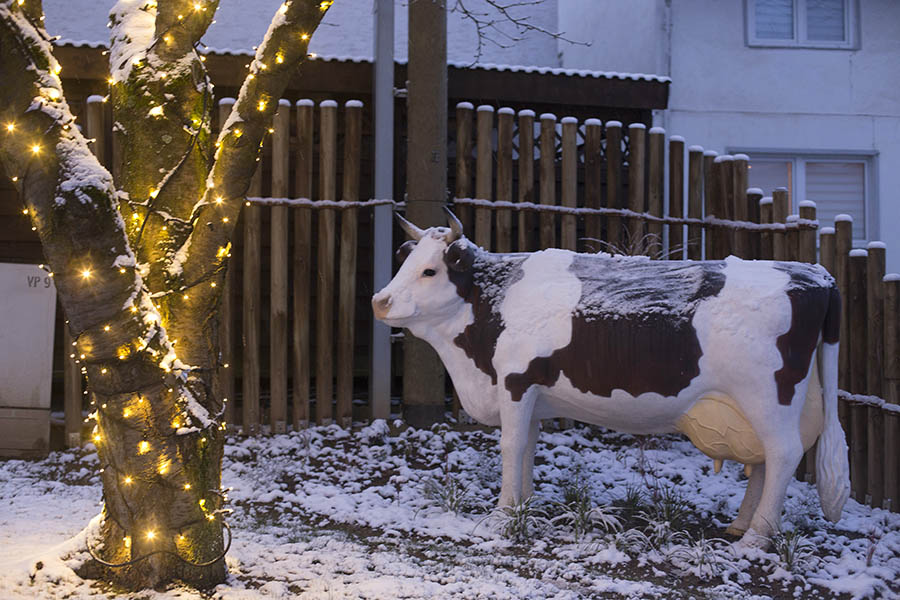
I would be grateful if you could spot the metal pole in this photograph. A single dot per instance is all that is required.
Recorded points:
(380, 379)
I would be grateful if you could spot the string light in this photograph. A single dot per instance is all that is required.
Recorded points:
(36, 149)
(86, 274)
(151, 534)
(10, 127)
(128, 479)
(261, 105)
(304, 36)
(143, 447)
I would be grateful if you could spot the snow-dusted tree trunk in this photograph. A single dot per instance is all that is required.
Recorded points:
(139, 261)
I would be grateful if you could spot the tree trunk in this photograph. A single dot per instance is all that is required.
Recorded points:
(140, 271)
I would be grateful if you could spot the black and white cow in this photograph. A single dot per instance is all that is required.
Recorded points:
(722, 351)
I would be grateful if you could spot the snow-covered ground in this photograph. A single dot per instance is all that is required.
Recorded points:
(327, 513)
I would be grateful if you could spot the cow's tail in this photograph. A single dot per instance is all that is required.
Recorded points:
(832, 466)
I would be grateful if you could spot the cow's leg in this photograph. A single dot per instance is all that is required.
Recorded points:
(515, 427)
(751, 500)
(528, 459)
(782, 458)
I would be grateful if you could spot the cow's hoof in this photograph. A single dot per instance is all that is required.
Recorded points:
(751, 540)
(735, 531)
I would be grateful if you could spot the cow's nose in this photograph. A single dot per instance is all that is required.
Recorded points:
(381, 304)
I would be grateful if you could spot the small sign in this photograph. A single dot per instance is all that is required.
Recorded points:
(27, 318)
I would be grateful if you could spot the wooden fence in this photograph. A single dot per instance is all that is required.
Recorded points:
(522, 183)
(603, 187)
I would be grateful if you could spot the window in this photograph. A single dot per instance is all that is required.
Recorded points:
(836, 183)
(801, 23)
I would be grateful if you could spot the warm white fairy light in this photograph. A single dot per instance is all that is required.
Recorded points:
(36, 149)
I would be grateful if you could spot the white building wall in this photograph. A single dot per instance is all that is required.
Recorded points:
(725, 95)
(623, 35)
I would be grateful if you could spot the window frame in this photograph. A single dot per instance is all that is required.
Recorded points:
(800, 157)
(799, 39)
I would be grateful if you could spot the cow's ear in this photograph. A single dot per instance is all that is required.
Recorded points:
(404, 250)
(459, 255)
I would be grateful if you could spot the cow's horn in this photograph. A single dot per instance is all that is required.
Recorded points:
(410, 229)
(456, 227)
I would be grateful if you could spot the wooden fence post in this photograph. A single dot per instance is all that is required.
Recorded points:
(278, 288)
(676, 196)
(826, 249)
(656, 171)
(753, 199)
(806, 235)
(695, 202)
(891, 383)
(875, 271)
(224, 380)
(741, 206)
(780, 210)
(73, 394)
(302, 267)
(325, 291)
(891, 389)
(526, 179)
(637, 157)
(503, 216)
(251, 310)
(593, 161)
(347, 269)
(548, 179)
(766, 238)
(95, 126)
(569, 175)
(709, 192)
(484, 164)
(614, 234)
(858, 411)
(725, 236)
(843, 225)
(464, 112)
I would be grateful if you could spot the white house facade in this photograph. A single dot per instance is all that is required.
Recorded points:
(810, 89)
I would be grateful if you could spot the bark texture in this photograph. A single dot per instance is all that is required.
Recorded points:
(139, 263)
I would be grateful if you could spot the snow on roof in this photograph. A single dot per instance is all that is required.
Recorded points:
(345, 35)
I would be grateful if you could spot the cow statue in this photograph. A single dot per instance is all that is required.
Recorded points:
(730, 353)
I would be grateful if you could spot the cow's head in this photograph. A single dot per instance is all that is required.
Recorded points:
(425, 291)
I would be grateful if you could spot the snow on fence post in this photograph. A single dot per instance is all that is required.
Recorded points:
(569, 187)
(484, 174)
(278, 265)
(325, 289)
(676, 196)
(637, 159)
(303, 173)
(504, 178)
(740, 204)
(656, 171)
(464, 112)
(548, 179)
(858, 411)
(709, 192)
(843, 225)
(347, 262)
(251, 310)
(753, 197)
(593, 160)
(224, 380)
(614, 181)
(695, 202)
(526, 179)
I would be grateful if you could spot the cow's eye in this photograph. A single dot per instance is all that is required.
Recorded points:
(429, 273)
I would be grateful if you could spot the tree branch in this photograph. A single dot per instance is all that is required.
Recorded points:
(282, 51)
